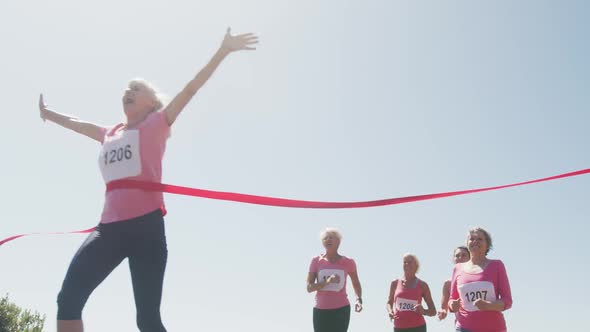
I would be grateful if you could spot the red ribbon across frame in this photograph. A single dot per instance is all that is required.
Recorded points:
(292, 203)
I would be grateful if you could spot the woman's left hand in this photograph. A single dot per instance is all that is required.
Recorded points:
(358, 306)
(481, 304)
(419, 309)
(238, 42)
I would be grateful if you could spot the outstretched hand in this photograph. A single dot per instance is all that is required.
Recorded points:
(42, 108)
(239, 42)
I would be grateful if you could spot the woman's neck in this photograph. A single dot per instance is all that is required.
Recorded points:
(479, 260)
(332, 255)
(409, 281)
(134, 119)
(409, 277)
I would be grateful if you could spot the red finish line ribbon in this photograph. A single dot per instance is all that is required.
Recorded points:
(292, 203)
(48, 233)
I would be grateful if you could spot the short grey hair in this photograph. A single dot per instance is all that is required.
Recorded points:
(485, 233)
(415, 258)
(330, 230)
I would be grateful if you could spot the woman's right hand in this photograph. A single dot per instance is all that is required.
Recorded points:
(42, 108)
(333, 279)
(391, 315)
(442, 314)
(454, 305)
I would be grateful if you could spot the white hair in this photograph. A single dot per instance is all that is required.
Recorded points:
(158, 97)
(330, 230)
(415, 258)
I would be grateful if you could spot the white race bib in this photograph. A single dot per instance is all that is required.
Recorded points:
(402, 304)
(472, 291)
(323, 275)
(119, 157)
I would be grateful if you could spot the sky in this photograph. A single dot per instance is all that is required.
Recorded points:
(342, 101)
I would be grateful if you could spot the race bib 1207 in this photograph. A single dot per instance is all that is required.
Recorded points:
(472, 291)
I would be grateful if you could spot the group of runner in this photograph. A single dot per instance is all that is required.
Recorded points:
(476, 294)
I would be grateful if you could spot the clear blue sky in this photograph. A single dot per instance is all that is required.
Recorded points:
(343, 100)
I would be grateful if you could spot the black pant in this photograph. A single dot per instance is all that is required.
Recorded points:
(411, 329)
(331, 320)
(140, 239)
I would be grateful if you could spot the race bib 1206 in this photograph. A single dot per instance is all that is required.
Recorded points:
(402, 304)
(332, 287)
(119, 157)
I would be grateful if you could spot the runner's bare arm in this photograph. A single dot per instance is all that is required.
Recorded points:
(230, 44)
(82, 127)
(391, 299)
(431, 311)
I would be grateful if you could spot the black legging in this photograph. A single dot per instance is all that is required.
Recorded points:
(331, 320)
(140, 239)
(410, 329)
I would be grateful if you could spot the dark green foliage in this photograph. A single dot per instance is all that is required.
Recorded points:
(15, 319)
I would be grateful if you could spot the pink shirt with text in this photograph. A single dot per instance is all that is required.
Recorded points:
(490, 285)
(404, 300)
(133, 153)
(333, 295)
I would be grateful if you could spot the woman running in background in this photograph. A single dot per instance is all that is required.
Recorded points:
(404, 305)
(460, 255)
(480, 290)
(327, 277)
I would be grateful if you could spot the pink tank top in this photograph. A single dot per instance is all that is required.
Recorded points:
(134, 153)
(490, 285)
(332, 296)
(404, 301)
